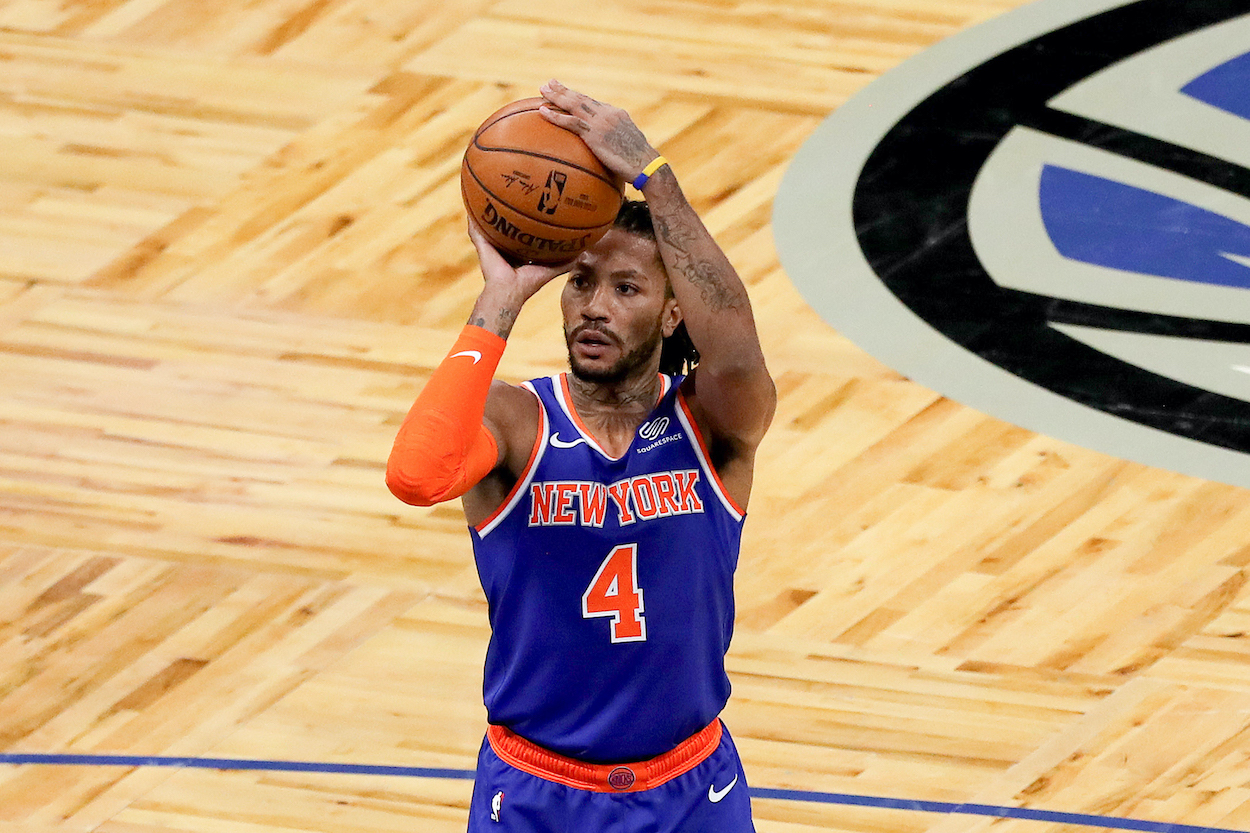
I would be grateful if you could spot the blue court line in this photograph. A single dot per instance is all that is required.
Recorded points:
(235, 764)
(1023, 813)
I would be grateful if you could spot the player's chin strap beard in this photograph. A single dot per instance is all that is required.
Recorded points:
(627, 366)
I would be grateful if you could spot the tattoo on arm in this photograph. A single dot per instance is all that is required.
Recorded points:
(504, 320)
(702, 273)
(627, 141)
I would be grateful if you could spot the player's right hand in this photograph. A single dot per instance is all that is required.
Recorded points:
(520, 281)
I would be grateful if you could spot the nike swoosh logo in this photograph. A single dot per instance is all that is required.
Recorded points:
(470, 354)
(559, 443)
(714, 795)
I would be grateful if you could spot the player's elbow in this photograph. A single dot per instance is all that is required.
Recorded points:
(436, 458)
(421, 480)
(744, 399)
(746, 376)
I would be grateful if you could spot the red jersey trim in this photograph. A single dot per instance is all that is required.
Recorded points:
(705, 457)
(519, 753)
(540, 445)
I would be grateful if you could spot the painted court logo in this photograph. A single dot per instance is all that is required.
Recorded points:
(1047, 217)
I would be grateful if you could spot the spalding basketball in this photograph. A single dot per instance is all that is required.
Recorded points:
(535, 189)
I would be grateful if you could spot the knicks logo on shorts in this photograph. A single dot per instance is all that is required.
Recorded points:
(1047, 218)
(621, 778)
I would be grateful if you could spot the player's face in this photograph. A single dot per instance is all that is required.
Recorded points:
(617, 309)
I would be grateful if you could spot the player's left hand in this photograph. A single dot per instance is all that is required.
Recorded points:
(608, 131)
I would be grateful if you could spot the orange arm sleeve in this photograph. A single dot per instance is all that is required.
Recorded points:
(443, 449)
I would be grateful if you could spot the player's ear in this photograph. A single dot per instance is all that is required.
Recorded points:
(671, 317)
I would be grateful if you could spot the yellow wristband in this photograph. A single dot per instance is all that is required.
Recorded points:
(655, 164)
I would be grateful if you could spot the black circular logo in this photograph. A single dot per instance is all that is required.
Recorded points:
(1048, 218)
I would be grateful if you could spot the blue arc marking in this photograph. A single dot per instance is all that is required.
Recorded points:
(1023, 813)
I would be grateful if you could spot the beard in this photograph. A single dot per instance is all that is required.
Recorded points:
(626, 366)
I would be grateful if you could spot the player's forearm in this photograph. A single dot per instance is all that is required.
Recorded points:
(496, 310)
(442, 448)
(712, 298)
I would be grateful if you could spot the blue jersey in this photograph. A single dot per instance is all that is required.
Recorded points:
(610, 586)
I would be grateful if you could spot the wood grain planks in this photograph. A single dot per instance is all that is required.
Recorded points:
(232, 250)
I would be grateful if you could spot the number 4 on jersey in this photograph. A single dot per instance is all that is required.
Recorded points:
(614, 593)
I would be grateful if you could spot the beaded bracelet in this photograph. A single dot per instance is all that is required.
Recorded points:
(655, 164)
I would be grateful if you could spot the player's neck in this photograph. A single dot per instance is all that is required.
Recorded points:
(613, 411)
(639, 391)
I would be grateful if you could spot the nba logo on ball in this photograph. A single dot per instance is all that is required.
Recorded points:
(535, 190)
(1047, 218)
(554, 190)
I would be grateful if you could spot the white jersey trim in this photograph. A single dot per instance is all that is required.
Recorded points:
(522, 486)
(559, 387)
(713, 479)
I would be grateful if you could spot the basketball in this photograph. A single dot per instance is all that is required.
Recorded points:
(535, 189)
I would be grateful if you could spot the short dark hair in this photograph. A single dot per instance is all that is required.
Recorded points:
(678, 354)
(635, 218)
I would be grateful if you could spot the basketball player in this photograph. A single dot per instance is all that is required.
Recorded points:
(605, 507)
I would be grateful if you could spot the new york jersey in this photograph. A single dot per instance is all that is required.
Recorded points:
(610, 586)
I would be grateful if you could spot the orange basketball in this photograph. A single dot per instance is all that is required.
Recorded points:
(535, 189)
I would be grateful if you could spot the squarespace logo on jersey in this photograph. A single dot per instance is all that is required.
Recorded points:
(1047, 218)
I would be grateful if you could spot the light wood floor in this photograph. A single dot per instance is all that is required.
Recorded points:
(231, 250)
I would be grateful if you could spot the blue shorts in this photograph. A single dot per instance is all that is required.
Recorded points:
(521, 788)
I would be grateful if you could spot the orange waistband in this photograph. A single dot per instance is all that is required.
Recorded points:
(518, 752)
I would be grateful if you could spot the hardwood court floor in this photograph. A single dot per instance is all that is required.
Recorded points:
(232, 249)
